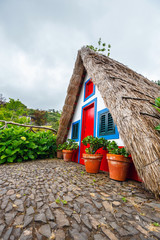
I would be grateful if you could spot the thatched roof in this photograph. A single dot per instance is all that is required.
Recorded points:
(129, 97)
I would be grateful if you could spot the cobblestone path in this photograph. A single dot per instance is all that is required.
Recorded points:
(52, 199)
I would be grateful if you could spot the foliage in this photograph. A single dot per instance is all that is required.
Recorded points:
(157, 82)
(40, 117)
(14, 110)
(114, 149)
(95, 144)
(62, 146)
(53, 118)
(70, 145)
(157, 106)
(124, 199)
(16, 105)
(17, 145)
(59, 201)
(156, 224)
(101, 47)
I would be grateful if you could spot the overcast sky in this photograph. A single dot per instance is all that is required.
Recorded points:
(39, 40)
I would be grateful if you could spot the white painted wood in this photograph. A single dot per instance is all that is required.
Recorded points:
(81, 103)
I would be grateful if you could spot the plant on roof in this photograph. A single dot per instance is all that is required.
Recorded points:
(157, 106)
(95, 144)
(101, 47)
(114, 149)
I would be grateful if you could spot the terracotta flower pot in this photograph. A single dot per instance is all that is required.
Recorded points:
(92, 162)
(59, 154)
(118, 166)
(67, 155)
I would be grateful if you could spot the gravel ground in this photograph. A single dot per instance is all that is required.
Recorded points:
(53, 199)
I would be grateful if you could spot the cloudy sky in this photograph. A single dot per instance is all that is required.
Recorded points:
(39, 40)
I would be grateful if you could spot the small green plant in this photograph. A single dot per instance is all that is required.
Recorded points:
(82, 172)
(114, 149)
(95, 144)
(156, 224)
(94, 180)
(157, 106)
(57, 200)
(64, 202)
(101, 47)
(70, 145)
(124, 199)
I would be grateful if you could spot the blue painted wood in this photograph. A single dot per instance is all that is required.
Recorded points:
(78, 134)
(108, 135)
(93, 93)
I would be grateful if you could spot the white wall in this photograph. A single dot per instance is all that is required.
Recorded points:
(81, 103)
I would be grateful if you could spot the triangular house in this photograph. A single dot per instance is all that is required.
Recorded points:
(100, 85)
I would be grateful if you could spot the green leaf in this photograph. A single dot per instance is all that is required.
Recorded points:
(2, 161)
(3, 156)
(11, 159)
(57, 200)
(158, 128)
(2, 148)
(156, 224)
(31, 156)
(64, 202)
(157, 102)
(124, 199)
(8, 151)
(19, 160)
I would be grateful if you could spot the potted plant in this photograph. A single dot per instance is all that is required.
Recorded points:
(118, 161)
(92, 159)
(68, 149)
(59, 150)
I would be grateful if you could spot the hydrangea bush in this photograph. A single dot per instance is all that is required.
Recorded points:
(17, 145)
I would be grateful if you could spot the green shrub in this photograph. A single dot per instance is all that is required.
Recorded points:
(95, 144)
(17, 145)
(114, 149)
(70, 144)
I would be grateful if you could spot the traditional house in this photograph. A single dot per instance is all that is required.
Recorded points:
(107, 99)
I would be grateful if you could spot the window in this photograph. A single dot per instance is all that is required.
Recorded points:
(75, 131)
(106, 127)
(106, 124)
(89, 89)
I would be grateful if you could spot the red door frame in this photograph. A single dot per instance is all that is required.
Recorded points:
(89, 105)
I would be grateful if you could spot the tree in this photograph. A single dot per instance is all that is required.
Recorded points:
(13, 110)
(16, 106)
(40, 117)
(53, 118)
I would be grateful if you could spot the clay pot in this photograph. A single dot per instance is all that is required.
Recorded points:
(118, 166)
(67, 155)
(59, 154)
(92, 162)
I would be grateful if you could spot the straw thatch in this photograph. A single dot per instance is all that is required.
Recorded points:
(129, 97)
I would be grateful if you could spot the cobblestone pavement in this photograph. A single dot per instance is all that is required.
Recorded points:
(52, 199)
